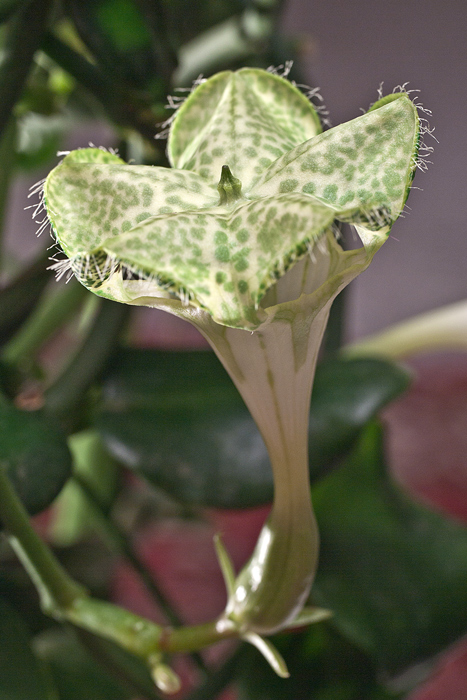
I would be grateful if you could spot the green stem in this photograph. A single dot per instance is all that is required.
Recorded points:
(54, 308)
(23, 36)
(133, 113)
(64, 599)
(56, 589)
(125, 547)
(63, 396)
(139, 635)
(120, 541)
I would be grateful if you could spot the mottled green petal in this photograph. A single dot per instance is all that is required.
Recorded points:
(362, 168)
(223, 261)
(245, 120)
(93, 195)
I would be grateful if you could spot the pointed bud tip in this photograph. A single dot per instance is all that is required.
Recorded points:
(229, 187)
(165, 679)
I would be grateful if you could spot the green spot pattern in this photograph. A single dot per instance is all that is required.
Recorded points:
(229, 279)
(374, 173)
(171, 228)
(94, 199)
(242, 119)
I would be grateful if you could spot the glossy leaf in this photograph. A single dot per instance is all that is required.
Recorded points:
(323, 666)
(21, 676)
(73, 515)
(121, 42)
(393, 572)
(35, 453)
(177, 419)
(346, 395)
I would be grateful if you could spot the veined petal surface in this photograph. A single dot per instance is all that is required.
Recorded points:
(142, 233)
(221, 260)
(93, 195)
(246, 120)
(362, 168)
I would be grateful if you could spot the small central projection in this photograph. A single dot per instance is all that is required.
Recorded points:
(229, 187)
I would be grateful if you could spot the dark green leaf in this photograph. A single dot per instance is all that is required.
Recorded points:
(137, 112)
(21, 675)
(24, 34)
(120, 40)
(322, 665)
(346, 395)
(76, 675)
(177, 419)
(36, 456)
(70, 387)
(393, 572)
(7, 8)
(185, 20)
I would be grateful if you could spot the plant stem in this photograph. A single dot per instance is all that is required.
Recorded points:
(62, 598)
(63, 396)
(125, 547)
(56, 589)
(23, 36)
(53, 310)
(121, 542)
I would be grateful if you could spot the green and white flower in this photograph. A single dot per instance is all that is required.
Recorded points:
(237, 238)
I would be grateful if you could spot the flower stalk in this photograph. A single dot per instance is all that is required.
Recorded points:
(237, 238)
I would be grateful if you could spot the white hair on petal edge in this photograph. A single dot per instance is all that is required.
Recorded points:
(312, 94)
(315, 97)
(61, 267)
(421, 160)
(282, 70)
(424, 151)
(175, 102)
(106, 149)
(37, 190)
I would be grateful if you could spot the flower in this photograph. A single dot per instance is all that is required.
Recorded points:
(237, 238)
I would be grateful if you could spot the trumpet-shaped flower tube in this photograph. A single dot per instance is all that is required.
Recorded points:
(237, 238)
